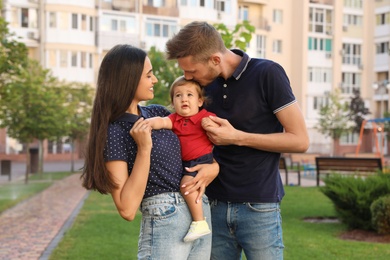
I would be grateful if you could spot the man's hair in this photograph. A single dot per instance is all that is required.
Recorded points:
(197, 39)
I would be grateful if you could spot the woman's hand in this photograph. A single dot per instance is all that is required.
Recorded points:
(206, 174)
(142, 134)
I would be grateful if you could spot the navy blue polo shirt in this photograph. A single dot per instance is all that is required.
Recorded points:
(166, 164)
(249, 100)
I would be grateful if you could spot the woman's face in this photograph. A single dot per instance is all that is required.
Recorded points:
(144, 90)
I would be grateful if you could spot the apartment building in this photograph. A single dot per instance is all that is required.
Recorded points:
(322, 44)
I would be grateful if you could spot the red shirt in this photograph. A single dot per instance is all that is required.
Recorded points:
(193, 139)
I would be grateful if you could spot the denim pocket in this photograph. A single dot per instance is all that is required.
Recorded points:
(263, 207)
(159, 210)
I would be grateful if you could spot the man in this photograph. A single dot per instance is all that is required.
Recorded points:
(259, 118)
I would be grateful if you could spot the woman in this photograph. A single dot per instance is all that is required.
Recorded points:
(142, 169)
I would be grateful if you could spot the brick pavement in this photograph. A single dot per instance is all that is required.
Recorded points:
(29, 228)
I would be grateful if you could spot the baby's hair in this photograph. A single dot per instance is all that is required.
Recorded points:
(180, 81)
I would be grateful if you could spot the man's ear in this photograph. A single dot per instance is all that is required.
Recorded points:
(215, 59)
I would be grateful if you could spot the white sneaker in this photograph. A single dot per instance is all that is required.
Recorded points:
(197, 230)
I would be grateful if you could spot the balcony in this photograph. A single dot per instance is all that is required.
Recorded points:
(162, 11)
(261, 2)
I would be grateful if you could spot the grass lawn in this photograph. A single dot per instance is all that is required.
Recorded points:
(100, 233)
(14, 192)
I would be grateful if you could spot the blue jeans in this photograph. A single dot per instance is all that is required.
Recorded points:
(255, 228)
(165, 222)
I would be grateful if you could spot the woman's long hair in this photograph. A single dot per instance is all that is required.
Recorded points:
(119, 76)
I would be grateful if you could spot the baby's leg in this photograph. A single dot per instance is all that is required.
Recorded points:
(199, 226)
(195, 208)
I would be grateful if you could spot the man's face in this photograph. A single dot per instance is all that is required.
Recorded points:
(202, 72)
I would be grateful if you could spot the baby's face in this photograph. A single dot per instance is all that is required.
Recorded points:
(186, 100)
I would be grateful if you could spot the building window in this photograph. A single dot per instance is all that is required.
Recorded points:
(350, 81)
(382, 48)
(349, 138)
(83, 59)
(351, 53)
(243, 13)
(29, 18)
(319, 75)
(75, 21)
(24, 18)
(160, 28)
(277, 16)
(74, 59)
(83, 22)
(114, 25)
(320, 20)
(126, 24)
(90, 60)
(355, 20)
(320, 102)
(277, 46)
(52, 20)
(91, 23)
(122, 26)
(260, 46)
(319, 44)
(357, 4)
(382, 19)
(63, 59)
(223, 6)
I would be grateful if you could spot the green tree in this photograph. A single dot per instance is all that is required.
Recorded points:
(335, 117)
(166, 72)
(80, 96)
(32, 108)
(239, 37)
(13, 54)
(358, 110)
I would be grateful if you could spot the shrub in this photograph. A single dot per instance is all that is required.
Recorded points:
(380, 212)
(353, 196)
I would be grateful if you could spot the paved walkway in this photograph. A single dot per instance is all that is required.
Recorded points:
(33, 228)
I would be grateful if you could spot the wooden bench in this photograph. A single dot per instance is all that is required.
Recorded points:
(357, 165)
(283, 166)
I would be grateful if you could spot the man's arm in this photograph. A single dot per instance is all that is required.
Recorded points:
(157, 122)
(294, 139)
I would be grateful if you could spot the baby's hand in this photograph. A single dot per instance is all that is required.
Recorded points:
(207, 122)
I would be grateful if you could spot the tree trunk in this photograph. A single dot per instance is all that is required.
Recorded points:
(71, 155)
(28, 165)
(40, 158)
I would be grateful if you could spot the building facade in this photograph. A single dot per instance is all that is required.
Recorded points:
(322, 44)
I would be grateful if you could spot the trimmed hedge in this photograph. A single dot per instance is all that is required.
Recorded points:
(380, 212)
(352, 197)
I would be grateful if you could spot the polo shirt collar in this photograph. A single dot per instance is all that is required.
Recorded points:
(195, 118)
(131, 118)
(243, 64)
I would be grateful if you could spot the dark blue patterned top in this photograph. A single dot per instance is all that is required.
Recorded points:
(166, 165)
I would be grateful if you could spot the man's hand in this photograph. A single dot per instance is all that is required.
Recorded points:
(220, 131)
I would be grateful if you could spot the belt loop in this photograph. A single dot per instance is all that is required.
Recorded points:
(176, 198)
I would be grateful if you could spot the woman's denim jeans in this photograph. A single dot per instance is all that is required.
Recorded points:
(165, 222)
(255, 228)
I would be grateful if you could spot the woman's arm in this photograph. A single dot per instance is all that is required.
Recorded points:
(131, 188)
